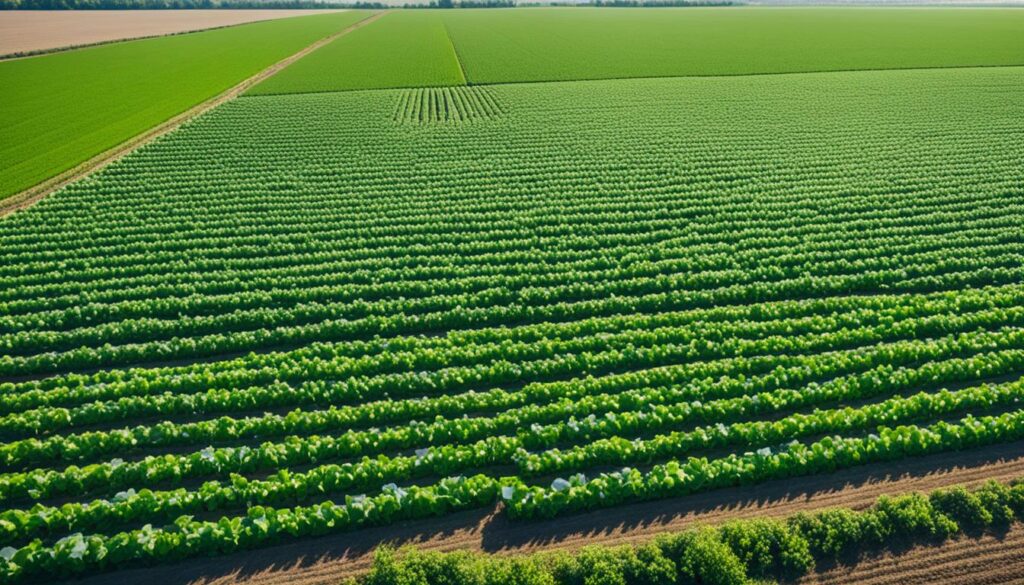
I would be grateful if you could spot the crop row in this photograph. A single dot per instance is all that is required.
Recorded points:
(263, 524)
(714, 282)
(582, 253)
(324, 288)
(557, 262)
(498, 450)
(740, 551)
(546, 402)
(329, 359)
(644, 349)
(939, 276)
(425, 105)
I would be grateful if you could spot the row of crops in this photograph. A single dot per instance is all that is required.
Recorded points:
(445, 105)
(296, 317)
(740, 551)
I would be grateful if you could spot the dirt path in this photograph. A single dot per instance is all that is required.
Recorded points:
(34, 194)
(326, 560)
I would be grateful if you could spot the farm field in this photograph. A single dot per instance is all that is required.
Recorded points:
(42, 136)
(413, 49)
(406, 290)
(44, 30)
(61, 109)
(706, 281)
(498, 46)
(406, 49)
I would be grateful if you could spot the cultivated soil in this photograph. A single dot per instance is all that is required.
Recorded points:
(327, 560)
(978, 560)
(30, 31)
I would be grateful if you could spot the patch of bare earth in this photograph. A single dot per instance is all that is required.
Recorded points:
(979, 560)
(28, 31)
(327, 560)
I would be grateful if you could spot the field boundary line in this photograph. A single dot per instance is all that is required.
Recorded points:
(455, 51)
(36, 193)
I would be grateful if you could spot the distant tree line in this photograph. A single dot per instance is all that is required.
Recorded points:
(629, 3)
(213, 4)
(655, 3)
(173, 4)
(462, 4)
(226, 4)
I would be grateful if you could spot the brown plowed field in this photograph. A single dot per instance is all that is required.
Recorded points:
(44, 30)
(985, 560)
(326, 560)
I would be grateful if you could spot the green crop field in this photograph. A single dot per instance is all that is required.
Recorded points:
(616, 262)
(415, 48)
(499, 46)
(64, 108)
(450, 311)
(404, 49)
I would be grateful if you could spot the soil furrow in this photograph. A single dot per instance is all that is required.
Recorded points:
(984, 559)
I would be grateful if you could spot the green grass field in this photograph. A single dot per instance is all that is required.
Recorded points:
(512, 45)
(63, 108)
(403, 49)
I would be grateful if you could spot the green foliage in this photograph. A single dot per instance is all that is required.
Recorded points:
(963, 507)
(835, 533)
(649, 566)
(996, 499)
(707, 560)
(560, 44)
(980, 509)
(910, 517)
(63, 108)
(597, 565)
(913, 517)
(769, 548)
(447, 105)
(407, 48)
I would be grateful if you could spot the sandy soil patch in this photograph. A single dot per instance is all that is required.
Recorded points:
(29, 31)
(327, 560)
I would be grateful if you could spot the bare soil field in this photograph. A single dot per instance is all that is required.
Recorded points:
(32, 31)
(327, 560)
(982, 560)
